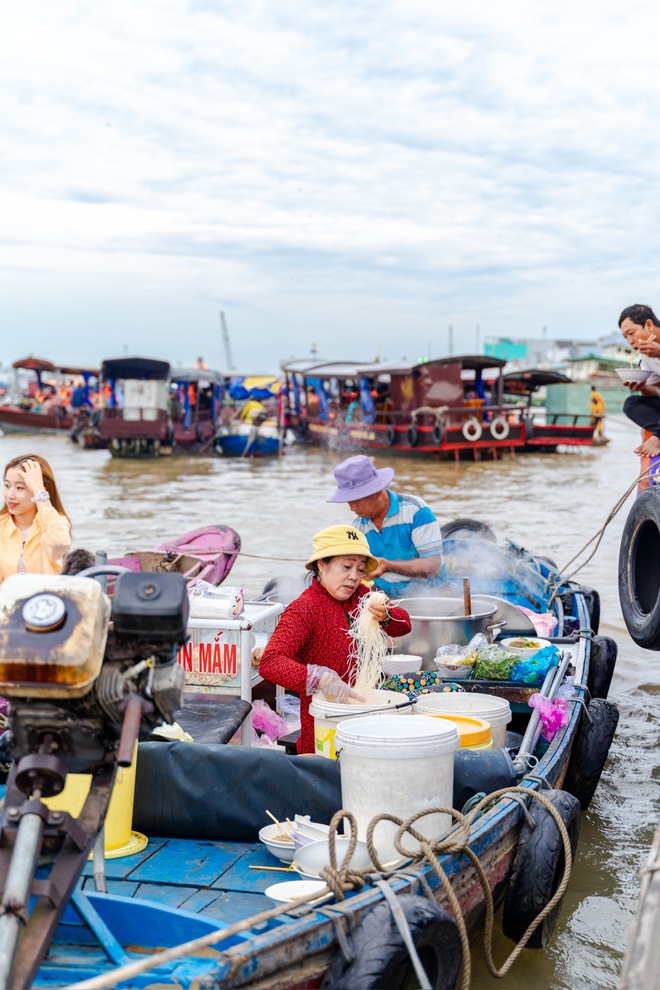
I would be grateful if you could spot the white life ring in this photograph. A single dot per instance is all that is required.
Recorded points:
(499, 429)
(472, 429)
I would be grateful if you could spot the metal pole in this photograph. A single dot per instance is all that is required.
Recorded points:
(17, 892)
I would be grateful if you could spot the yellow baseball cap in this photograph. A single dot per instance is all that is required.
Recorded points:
(341, 541)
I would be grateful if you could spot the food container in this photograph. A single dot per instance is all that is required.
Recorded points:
(455, 671)
(280, 849)
(311, 858)
(401, 663)
(524, 646)
(633, 374)
(440, 621)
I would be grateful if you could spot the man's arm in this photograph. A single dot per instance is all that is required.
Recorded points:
(419, 567)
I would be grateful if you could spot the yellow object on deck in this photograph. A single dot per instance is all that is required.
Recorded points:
(120, 839)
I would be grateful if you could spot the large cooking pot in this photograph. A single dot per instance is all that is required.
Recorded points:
(440, 621)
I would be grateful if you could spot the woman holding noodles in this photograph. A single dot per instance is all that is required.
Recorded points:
(333, 629)
(35, 531)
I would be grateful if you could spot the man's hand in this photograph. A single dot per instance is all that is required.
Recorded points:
(649, 347)
(647, 388)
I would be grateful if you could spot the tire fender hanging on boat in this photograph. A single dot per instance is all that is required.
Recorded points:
(602, 661)
(466, 529)
(381, 958)
(538, 868)
(439, 432)
(472, 429)
(413, 436)
(499, 429)
(593, 607)
(391, 435)
(591, 749)
(639, 575)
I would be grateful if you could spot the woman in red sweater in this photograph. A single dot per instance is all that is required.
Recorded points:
(309, 651)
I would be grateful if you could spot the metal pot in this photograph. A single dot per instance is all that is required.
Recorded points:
(440, 621)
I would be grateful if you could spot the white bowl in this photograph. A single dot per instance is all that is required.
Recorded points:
(311, 859)
(633, 374)
(280, 849)
(289, 890)
(315, 830)
(456, 671)
(524, 652)
(401, 663)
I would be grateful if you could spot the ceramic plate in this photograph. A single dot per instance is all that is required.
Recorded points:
(291, 889)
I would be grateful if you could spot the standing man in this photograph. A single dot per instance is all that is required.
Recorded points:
(402, 532)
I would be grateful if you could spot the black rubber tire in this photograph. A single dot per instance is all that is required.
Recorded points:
(593, 607)
(413, 436)
(528, 424)
(391, 435)
(381, 959)
(439, 433)
(467, 528)
(538, 868)
(639, 574)
(590, 750)
(602, 661)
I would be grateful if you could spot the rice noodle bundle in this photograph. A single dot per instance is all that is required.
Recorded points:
(370, 643)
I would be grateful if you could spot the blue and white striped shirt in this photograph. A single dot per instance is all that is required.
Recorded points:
(409, 530)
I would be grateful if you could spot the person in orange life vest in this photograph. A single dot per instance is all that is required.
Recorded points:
(35, 531)
(310, 648)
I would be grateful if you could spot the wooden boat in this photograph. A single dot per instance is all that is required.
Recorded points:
(26, 417)
(451, 407)
(201, 882)
(205, 554)
(642, 960)
(248, 428)
(549, 431)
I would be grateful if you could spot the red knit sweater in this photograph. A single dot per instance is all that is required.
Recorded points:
(314, 629)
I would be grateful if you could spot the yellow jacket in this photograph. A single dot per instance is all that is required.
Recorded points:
(48, 540)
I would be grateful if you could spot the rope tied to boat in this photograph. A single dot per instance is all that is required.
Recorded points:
(344, 877)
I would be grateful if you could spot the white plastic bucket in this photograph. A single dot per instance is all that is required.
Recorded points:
(495, 710)
(328, 715)
(400, 766)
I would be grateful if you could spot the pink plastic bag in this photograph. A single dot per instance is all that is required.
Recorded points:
(544, 623)
(265, 720)
(554, 714)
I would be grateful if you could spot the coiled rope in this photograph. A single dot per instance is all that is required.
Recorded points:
(344, 878)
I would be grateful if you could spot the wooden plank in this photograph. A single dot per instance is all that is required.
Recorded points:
(239, 877)
(182, 861)
(119, 869)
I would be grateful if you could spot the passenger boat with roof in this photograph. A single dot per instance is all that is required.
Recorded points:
(452, 407)
(41, 409)
(545, 429)
(196, 905)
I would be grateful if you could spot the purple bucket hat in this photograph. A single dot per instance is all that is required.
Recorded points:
(358, 477)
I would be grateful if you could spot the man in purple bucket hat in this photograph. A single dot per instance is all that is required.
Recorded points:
(402, 532)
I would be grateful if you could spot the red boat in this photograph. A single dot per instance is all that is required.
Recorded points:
(28, 414)
(451, 407)
(546, 433)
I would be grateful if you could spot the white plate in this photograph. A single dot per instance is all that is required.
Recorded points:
(633, 374)
(291, 889)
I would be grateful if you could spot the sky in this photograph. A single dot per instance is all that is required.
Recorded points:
(350, 177)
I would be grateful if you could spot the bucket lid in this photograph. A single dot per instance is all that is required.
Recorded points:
(495, 710)
(471, 731)
(376, 698)
(388, 733)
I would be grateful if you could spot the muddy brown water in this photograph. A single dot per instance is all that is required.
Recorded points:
(551, 503)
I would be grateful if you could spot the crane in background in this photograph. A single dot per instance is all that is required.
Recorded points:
(226, 342)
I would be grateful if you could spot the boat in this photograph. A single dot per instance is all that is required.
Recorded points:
(452, 407)
(154, 410)
(31, 415)
(640, 965)
(252, 421)
(205, 554)
(194, 907)
(565, 420)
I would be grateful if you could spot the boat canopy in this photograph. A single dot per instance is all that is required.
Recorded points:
(79, 372)
(532, 379)
(135, 367)
(34, 364)
(469, 362)
(255, 387)
(197, 375)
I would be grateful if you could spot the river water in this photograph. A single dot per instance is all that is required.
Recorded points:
(552, 504)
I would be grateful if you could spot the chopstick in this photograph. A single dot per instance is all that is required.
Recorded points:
(275, 869)
(636, 354)
(280, 824)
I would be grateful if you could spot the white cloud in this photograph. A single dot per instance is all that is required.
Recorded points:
(355, 170)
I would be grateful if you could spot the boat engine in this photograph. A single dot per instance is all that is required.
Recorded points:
(86, 678)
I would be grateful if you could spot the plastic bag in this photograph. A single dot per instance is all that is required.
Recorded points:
(268, 722)
(495, 664)
(554, 714)
(535, 668)
(218, 603)
(544, 623)
(288, 706)
(453, 653)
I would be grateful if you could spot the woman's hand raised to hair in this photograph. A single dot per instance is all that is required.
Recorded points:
(34, 478)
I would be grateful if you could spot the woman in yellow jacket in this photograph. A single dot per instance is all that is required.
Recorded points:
(35, 531)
